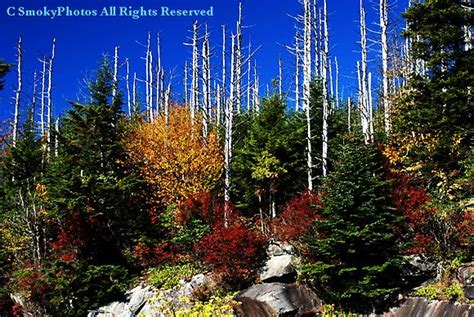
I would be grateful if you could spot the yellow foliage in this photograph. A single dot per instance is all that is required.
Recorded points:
(174, 158)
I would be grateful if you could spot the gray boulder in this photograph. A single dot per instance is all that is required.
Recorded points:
(280, 266)
(278, 299)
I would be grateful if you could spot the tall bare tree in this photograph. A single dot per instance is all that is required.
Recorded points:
(18, 91)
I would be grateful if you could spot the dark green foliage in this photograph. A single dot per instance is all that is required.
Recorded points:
(354, 252)
(4, 69)
(91, 174)
(268, 157)
(439, 106)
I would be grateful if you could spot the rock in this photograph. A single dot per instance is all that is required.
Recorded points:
(278, 299)
(279, 269)
(280, 266)
(419, 270)
(145, 301)
(136, 299)
(469, 292)
(421, 307)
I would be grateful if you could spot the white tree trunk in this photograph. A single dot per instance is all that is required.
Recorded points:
(229, 117)
(127, 83)
(115, 74)
(384, 47)
(249, 81)
(134, 93)
(349, 114)
(324, 60)
(280, 77)
(185, 84)
(255, 91)
(238, 62)
(297, 73)
(365, 112)
(337, 81)
(43, 96)
(49, 95)
(224, 67)
(306, 89)
(195, 73)
(206, 84)
(18, 90)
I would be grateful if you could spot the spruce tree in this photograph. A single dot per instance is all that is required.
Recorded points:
(434, 112)
(353, 249)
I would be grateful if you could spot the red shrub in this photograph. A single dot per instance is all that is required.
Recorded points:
(411, 202)
(297, 217)
(202, 206)
(234, 252)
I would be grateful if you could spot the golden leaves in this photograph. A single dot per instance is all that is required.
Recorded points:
(174, 158)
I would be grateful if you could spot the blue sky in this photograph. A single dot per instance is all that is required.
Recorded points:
(81, 41)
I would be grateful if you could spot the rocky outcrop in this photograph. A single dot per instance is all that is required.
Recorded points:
(147, 301)
(421, 307)
(278, 299)
(281, 264)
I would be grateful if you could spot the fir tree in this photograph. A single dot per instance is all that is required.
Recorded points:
(354, 245)
(434, 113)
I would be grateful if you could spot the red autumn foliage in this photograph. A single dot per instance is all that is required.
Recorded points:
(70, 239)
(234, 252)
(297, 216)
(411, 202)
(202, 206)
(146, 255)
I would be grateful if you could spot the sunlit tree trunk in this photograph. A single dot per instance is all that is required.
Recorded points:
(18, 90)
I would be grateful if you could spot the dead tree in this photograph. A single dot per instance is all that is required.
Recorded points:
(127, 83)
(206, 84)
(365, 115)
(383, 12)
(18, 90)
(324, 62)
(49, 95)
(115, 74)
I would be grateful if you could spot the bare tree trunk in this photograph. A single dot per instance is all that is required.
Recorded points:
(195, 73)
(324, 61)
(249, 81)
(134, 92)
(297, 73)
(384, 43)
(159, 68)
(337, 81)
(127, 82)
(280, 77)
(256, 99)
(218, 104)
(224, 64)
(43, 96)
(33, 97)
(331, 82)
(349, 114)
(167, 103)
(115, 75)
(185, 84)
(364, 81)
(371, 115)
(50, 99)
(147, 78)
(206, 84)
(18, 90)
(238, 62)
(306, 89)
(56, 138)
(229, 117)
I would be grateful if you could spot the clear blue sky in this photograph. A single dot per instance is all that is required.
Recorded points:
(81, 41)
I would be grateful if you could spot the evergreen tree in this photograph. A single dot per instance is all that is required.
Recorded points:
(91, 174)
(4, 69)
(355, 257)
(433, 124)
(269, 160)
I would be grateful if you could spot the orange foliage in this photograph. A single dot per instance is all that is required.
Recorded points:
(174, 158)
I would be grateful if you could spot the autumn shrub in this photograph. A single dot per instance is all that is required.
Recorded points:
(234, 252)
(174, 158)
(297, 217)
